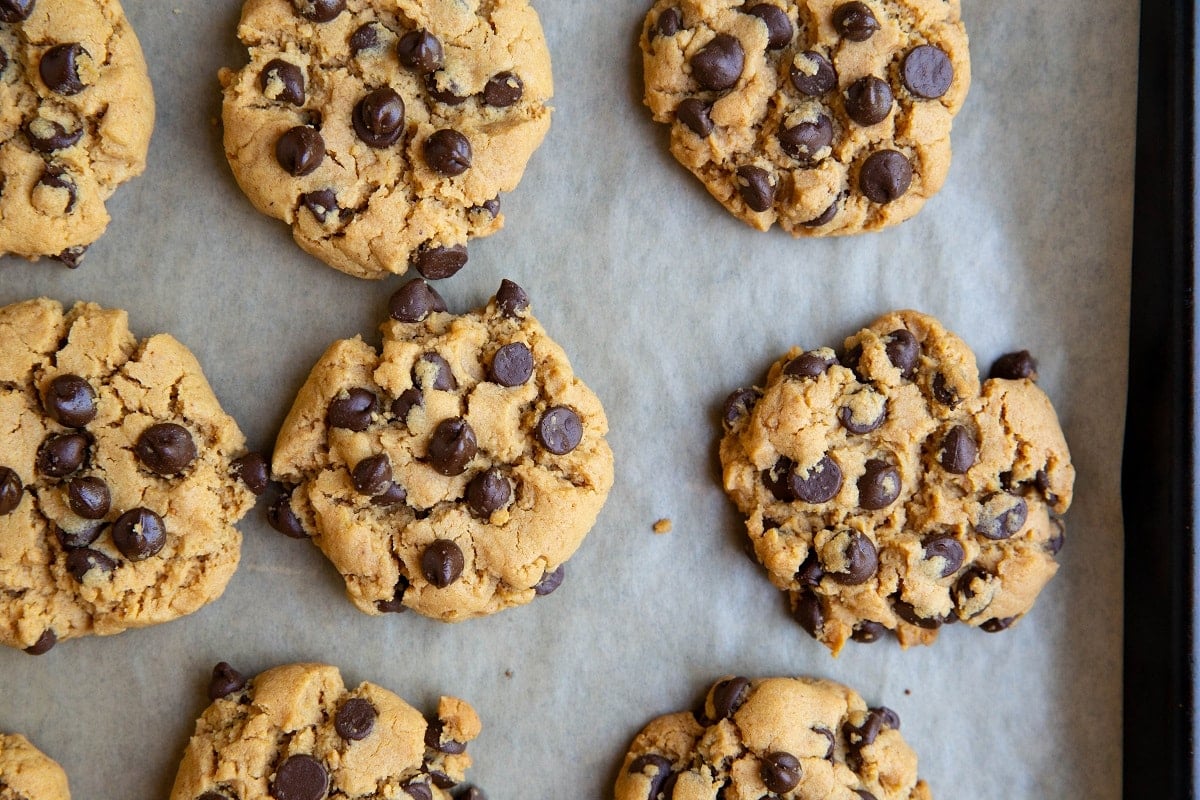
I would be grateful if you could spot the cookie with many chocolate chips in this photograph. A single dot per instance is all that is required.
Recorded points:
(27, 773)
(826, 117)
(76, 112)
(296, 732)
(887, 489)
(118, 493)
(384, 133)
(774, 737)
(454, 472)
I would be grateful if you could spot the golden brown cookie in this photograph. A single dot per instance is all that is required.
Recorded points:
(825, 116)
(887, 489)
(27, 773)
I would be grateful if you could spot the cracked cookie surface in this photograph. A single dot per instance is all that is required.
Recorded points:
(296, 732)
(117, 498)
(76, 113)
(27, 773)
(827, 117)
(385, 132)
(455, 472)
(791, 738)
(888, 489)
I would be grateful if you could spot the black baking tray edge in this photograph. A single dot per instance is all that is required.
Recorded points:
(1158, 475)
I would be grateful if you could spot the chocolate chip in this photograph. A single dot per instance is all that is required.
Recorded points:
(355, 719)
(947, 548)
(300, 150)
(778, 479)
(805, 141)
(1000, 516)
(442, 88)
(47, 136)
(80, 537)
(756, 188)
(15, 10)
(319, 11)
(657, 768)
(452, 446)
(669, 22)
(810, 365)
(225, 681)
(82, 561)
(1014, 366)
(863, 794)
(943, 392)
(885, 176)
(353, 409)
(393, 495)
(89, 497)
(378, 118)
(373, 474)
(443, 376)
(434, 729)
(56, 177)
(436, 263)
(254, 471)
(139, 534)
(511, 299)
(166, 448)
(492, 207)
(908, 613)
(448, 152)
(408, 399)
(739, 404)
(418, 790)
(879, 485)
(487, 492)
(72, 257)
(442, 563)
(728, 696)
(11, 490)
(812, 74)
(779, 27)
(443, 781)
(868, 631)
(550, 581)
(560, 430)
(70, 401)
(3, 60)
(472, 793)
(320, 203)
(44, 643)
(903, 350)
(282, 81)
(869, 100)
(866, 411)
(281, 517)
(365, 37)
(59, 68)
(819, 483)
(61, 455)
(718, 64)
(780, 771)
(1055, 543)
(696, 115)
(997, 624)
(809, 613)
(396, 604)
(855, 21)
(959, 450)
(512, 365)
(414, 301)
(300, 777)
(927, 71)
(420, 50)
(810, 572)
(862, 735)
(503, 90)
(861, 560)
(213, 796)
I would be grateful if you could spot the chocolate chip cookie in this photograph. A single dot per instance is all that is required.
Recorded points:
(887, 489)
(384, 133)
(76, 112)
(118, 492)
(775, 737)
(27, 773)
(826, 117)
(452, 473)
(296, 732)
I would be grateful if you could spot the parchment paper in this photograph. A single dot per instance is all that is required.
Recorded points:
(665, 303)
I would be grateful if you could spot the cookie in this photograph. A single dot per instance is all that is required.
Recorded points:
(888, 489)
(384, 133)
(27, 773)
(296, 732)
(791, 738)
(827, 117)
(117, 487)
(76, 112)
(452, 473)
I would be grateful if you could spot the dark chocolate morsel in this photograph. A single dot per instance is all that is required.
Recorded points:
(254, 471)
(512, 365)
(408, 399)
(778, 479)
(889, 718)
(942, 392)
(471, 793)
(444, 781)
(696, 115)
(821, 730)
(89, 497)
(378, 118)
(434, 729)
(56, 177)
(442, 88)
(908, 613)
(861, 560)
(373, 474)
(879, 485)
(863, 794)
(511, 299)
(417, 790)
(728, 696)
(903, 350)
(44, 643)
(856, 425)
(959, 450)
(139, 534)
(393, 495)
(300, 150)
(997, 624)
(396, 604)
(355, 719)
(365, 37)
(805, 141)
(756, 187)
(855, 21)
(414, 301)
(319, 11)
(812, 74)
(487, 492)
(282, 81)
(809, 365)
(72, 257)
(657, 768)
(719, 64)
(779, 27)
(550, 581)
(1000, 516)
(560, 430)
(61, 455)
(353, 409)
(47, 136)
(281, 517)
(82, 561)
(420, 50)
(492, 207)
(166, 448)
(927, 71)
(947, 548)
(669, 22)
(300, 777)
(452, 446)
(868, 631)
(1055, 543)
(442, 563)
(70, 400)
(443, 375)
(810, 572)
(809, 613)
(503, 90)
(15, 10)
(780, 771)
(321, 203)
(448, 152)
(80, 537)
(225, 681)
(885, 176)
(59, 68)
(738, 405)
(819, 483)
(436, 263)
(3, 60)
(11, 490)
(1014, 366)
(869, 100)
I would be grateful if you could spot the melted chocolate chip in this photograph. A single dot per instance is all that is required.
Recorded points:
(559, 430)
(434, 729)
(885, 176)
(89, 497)
(139, 534)
(821, 730)
(1000, 516)
(70, 400)
(696, 115)
(442, 563)
(819, 483)
(728, 696)
(254, 471)
(225, 681)
(355, 719)
(550, 581)
(1055, 543)
(418, 790)
(414, 301)
(869, 100)
(300, 150)
(282, 81)
(72, 257)
(442, 375)
(436, 263)
(657, 768)
(511, 299)
(943, 392)
(503, 90)
(927, 71)
(44, 644)
(851, 416)
(408, 399)
(420, 50)
(810, 572)
(365, 37)
(491, 207)
(868, 631)
(11, 490)
(903, 350)
(779, 27)
(353, 409)
(487, 492)
(321, 203)
(718, 65)
(879, 485)
(756, 188)
(48, 136)
(908, 613)
(812, 74)
(166, 448)
(826, 216)
(448, 152)
(442, 88)
(56, 177)
(378, 118)
(15, 10)
(809, 613)
(805, 141)
(80, 537)
(82, 561)
(959, 450)
(861, 560)
(471, 793)
(393, 495)
(452, 446)
(319, 11)
(778, 479)
(373, 474)
(300, 777)
(281, 517)
(997, 624)
(59, 68)
(61, 455)
(3, 61)
(1014, 367)
(780, 771)
(863, 794)
(855, 21)
(512, 365)
(669, 22)
(396, 604)
(738, 405)
(947, 548)
(809, 365)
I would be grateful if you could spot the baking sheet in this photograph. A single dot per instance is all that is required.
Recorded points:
(665, 303)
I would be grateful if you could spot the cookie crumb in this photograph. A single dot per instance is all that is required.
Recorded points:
(907, 692)
(663, 525)
(508, 673)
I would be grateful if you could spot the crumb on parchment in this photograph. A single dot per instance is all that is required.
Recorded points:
(663, 525)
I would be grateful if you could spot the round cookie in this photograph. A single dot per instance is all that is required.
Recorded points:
(296, 732)
(787, 738)
(117, 494)
(889, 490)
(27, 773)
(827, 117)
(76, 112)
(384, 133)
(455, 472)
